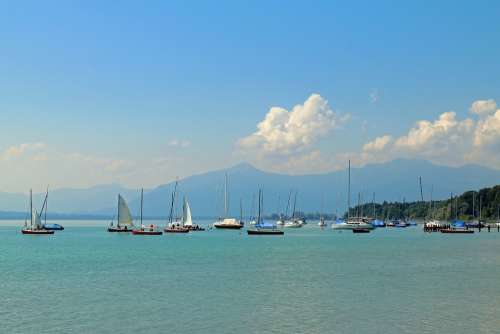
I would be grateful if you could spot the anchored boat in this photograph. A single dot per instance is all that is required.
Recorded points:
(261, 228)
(227, 223)
(175, 226)
(35, 226)
(146, 230)
(124, 223)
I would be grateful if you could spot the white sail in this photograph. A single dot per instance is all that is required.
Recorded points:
(186, 214)
(37, 222)
(124, 216)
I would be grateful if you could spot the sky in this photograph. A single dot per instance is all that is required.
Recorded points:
(139, 93)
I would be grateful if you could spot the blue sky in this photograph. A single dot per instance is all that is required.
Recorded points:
(126, 83)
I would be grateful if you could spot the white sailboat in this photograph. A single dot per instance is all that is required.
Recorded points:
(35, 226)
(125, 222)
(187, 220)
(227, 223)
(143, 230)
(351, 223)
(176, 226)
(294, 222)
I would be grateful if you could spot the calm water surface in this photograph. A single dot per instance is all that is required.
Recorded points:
(85, 280)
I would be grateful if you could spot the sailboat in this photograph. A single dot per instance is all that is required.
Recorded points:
(187, 220)
(295, 222)
(352, 223)
(53, 226)
(124, 222)
(322, 221)
(143, 230)
(282, 219)
(175, 226)
(227, 223)
(35, 226)
(261, 228)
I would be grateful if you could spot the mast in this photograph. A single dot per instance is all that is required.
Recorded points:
(118, 209)
(288, 203)
(31, 207)
(225, 197)
(258, 217)
(172, 202)
(349, 192)
(46, 204)
(241, 210)
(142, 193)
(373, 206)
(294, 204)
(473, 205)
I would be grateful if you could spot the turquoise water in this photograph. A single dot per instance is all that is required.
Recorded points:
(85, 280)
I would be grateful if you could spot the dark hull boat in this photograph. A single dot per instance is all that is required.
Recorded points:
(119, 230)
(146, 232)
(53, 227)
(37, 232)
(195, 228)
(228, 227)
(264, 231)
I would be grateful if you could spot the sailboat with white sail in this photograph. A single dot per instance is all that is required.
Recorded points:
(143, 230)
(35, 226)
(352, 223)
(176, 225)
(226, 222)
(187, 219)
(125, 222)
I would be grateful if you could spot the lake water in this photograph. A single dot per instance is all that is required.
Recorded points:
(85, 280)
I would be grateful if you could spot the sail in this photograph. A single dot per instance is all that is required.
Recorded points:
(186, 214)
(37, 222)
(124, 216)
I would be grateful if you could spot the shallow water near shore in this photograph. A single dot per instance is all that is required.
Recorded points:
(85, 280)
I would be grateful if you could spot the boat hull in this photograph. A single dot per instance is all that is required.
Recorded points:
(360, 230)
(176, 230)
(37, 232)
(147, 232)
(451, 231)
(54, 227)
(119, 230)
(228, 227)
(265, 232)
(352, 226)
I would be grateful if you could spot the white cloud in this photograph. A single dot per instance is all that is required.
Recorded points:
(446, 140)
(284, 132)
(483, 107)
(179, 143)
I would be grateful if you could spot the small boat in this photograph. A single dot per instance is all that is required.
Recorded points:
(35, 226)
(294, 222)
(261, 228)
(53, 227)
(50, 227)
(400, 223)
(378, 223)
(143, 230)
(322, 222)
(175, 226)
(124, 223)
(457, 231)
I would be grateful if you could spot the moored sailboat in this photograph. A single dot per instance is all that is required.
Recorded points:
(227, 223)
(178, 225)
(35, 226)
(261, 228)
(187, 219)
(143, 230)
(125, 222)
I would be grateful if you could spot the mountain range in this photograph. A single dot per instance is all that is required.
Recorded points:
(391, 181)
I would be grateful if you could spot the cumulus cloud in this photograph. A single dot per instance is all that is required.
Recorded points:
(284, 132)
(446, 140)
(483, 107)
